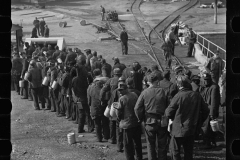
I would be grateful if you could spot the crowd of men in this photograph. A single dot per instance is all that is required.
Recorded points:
(81, 86)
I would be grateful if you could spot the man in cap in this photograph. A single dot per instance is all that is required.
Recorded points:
(89, 56)
(20, 35)
(155, 70)
(192, 40)
(42, 23)
(93, 59)
(173, 37)
(16, 70)
(71, 56)
(105, 96)
(211, 95)
(102, 12)
(185, 109)
(56, 53)
(169, 87)
(26, 60)
(63, 55)
(150, 107)
(215, 66)
(195, 83)
(129, 123)
(130, 86)
(124, 41)
(107, 68)
(34, 32)
(117, 64)
(36, 25)
(35, 80)
(46, 31)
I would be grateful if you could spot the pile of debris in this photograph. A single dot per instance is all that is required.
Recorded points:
(219, 5)
(112, 15)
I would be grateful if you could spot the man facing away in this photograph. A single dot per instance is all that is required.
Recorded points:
(185, 109)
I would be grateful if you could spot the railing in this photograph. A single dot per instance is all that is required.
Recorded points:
(208, 47)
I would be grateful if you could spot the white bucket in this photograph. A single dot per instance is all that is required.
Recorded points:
(107, 112)
(45, 81)
(113, 110)
(21, 83)
(54, 85)
(71, 138)
(215, 126)
(27, 74)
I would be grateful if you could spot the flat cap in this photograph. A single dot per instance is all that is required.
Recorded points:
(129, 81)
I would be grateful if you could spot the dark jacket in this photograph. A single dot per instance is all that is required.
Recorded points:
(195, 87)
(211, 95)
(55, 54)
(96, 65)
(185, 110)
(170, 88)
(108, 88)
(108, 68)
(46, 32)
(52, 74)
(64, 83)
(94, 102)
(80, 84)
(62, 55)
(34, 31)
(17, 65)
(137, 77)
(126, 111)
(35, 77)
(159, 74)
(124, 36)
(137, 92)
(70, 57)
(25, 67)
(152, 104)
(42, 24)
(119, 65)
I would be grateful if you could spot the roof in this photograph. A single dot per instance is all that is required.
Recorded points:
(15, 27)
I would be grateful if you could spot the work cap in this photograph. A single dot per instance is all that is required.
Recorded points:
(121, 79)
(96, 72)
(178, 68)
(195, 77)
(122, 86)
(117, 71)
(152, 77)
(129, 81)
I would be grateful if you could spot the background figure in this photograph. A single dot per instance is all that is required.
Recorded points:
(46, 31)
(42, 24)
(34, 32)
(36, 24)
(192, 40)
(124, 41)
(103, 13)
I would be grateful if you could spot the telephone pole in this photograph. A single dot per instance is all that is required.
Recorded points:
(215, 11)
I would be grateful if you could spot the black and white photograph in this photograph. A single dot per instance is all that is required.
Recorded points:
(118, 79)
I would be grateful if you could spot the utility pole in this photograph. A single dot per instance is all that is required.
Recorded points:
(215, 11)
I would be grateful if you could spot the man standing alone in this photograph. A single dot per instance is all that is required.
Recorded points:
(124, 41)
(102, 12)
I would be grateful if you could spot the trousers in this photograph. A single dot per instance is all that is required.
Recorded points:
(25, 90)
(124, 48)
(45, 91)
(156, 134)
(190, 49)
(99, 124)
(175, 147)
(37, 94)
(84, 115)
(112, 127)
(119, 134)
(132, 143)
(63, 104)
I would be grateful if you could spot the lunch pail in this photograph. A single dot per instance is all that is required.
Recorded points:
(107, 112)
(54, 85)
(27, 74)
(45, 81)
(21, 83)
(214, 125)
(71, 138)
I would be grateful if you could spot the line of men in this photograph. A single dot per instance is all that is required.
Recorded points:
(87, 85)
(40, 28)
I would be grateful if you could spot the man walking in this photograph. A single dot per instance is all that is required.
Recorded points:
(124, 41)
(150, 108)
(185, 109)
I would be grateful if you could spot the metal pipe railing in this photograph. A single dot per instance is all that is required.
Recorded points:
(209, 44)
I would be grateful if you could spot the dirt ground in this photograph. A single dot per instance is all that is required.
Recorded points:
(40, 134)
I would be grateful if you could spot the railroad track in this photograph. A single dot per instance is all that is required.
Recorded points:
(158, 31)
